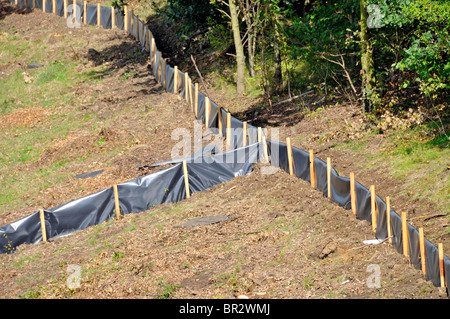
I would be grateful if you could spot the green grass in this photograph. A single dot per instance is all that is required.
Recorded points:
(423, 166)
(308, 281)
(166, 290)
(414, 158)
(23, 147)
(51, 88)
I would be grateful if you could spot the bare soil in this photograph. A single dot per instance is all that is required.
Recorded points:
(280, 238)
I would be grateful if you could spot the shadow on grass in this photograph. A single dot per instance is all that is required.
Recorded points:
(124, 56)
(285, 114)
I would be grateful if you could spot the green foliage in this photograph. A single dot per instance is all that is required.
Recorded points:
(413, 37)
(166, 290)
(119, 4)
(325, 28)
(118, 256)
(326, 31)
(193, 15)
(31, 295)
(321, 47)
(220, 37)
(427, 12)
(56, 71)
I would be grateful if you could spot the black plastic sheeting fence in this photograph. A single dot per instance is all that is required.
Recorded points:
(143, 193)
(167, 185)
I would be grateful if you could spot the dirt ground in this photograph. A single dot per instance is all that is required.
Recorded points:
(273, 244)
(278, 237)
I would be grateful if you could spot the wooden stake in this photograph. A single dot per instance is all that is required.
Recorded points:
(99, 15)
(244, 134)
(259, 135)
(147, 39)
(85, 11)
(54, 6)
(441, 264)
(34, 4)
(329, 176)
(43, 229)
(163, 69)
(65, 9)
(228, 133)
(312, 169)
(186, 96)
(175, 79)
(43, 5)
(131, 22)
(353, 193)
(207, 111)
(422, 251)
(113, 17)
(116, 201)
(137, 28)
(196, 100)
(125, 24)
(186, 179)
(74, 5)
(373, 202)
(191, 100)
(388, 218)
(153, 51)
(405, 236)
(266, 151)
(219, 121)
(290, 157)
(160, 77)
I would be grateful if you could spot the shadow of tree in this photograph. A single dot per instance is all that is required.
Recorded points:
(125, 55)
(129, 53)
(285, 114)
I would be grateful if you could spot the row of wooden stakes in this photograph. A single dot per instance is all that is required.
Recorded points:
(127, 25)
(374, 213)
(192, 99)
(374, 209)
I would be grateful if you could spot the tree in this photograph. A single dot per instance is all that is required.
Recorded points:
(240, 57)
(367, 63)
(278, 75)
(250, 10)
(324, 39)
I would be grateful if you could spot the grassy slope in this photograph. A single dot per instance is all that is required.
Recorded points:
(418, 161)
(49, 92)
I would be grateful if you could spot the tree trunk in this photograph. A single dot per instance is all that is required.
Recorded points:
(240, 58)
(251, 52)
(248, 10)
(367, 63)
(278, 75)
